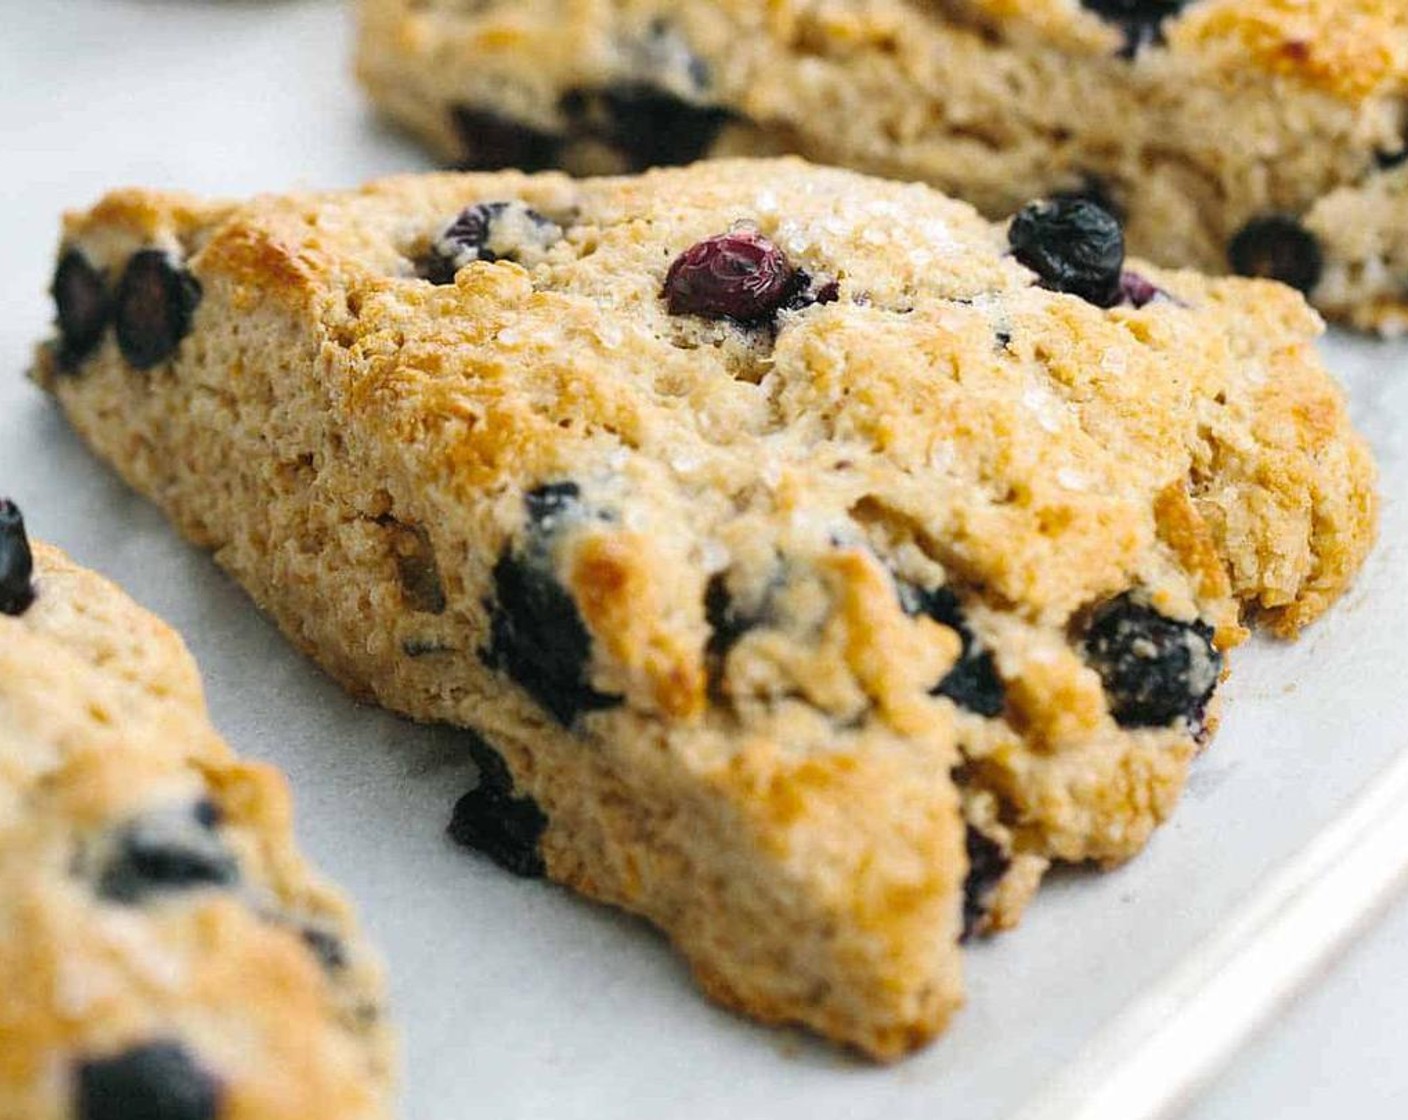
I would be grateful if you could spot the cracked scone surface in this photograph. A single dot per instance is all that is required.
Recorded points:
(777, 624)
(1234, 134)
(164, 951)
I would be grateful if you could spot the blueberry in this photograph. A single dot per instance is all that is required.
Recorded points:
(1073, 245)
(168, 851)
(537, 635)
(809, 291)
(16, 561)
(550, 501)
(973, 683)
(327, 947)
(492, 142)
(1277, 247)
(81, 297)
(986, 866)
(726, 623)
(489, 231)
(1136, 291)
(740, 276)
(1141, 20)
(154, 1081)
(1156, 670)
(155, 301)
(492, 820)
(647, 126)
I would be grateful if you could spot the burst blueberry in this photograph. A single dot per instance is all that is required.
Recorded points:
(537, 635)
(987, 864)
(156, 300)
(154, 1081)
(492, 820)
(973, 682)
(644, 125)
(81, 299)
(491, 141)
(1073, 245)
(1277, 247)
(165, 852)
(1156, 670)
(16, 561)
(1142, 21)
(487, 231)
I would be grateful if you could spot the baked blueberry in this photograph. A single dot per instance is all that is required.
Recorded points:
(81, 298)
(155, 301)
(1156, 670)
(973, 683)
(1136, 291)
(537, 635)
(740, 276)
(488, 231)
(1277, 247)
(327, 947)
(492, 820)
(1141, 20)
(491, 141)
(986, 866)
(726, 623)
(1073, 245)
(645, 125)
(154, 1081)
(168, 851)
(16, 561)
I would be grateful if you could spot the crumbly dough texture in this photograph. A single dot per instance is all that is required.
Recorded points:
(102, 724)
(361, 448)
(1245, 108)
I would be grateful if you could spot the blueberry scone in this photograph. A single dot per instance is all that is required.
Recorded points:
(1265, 137)
(164, 952)
(815, 560)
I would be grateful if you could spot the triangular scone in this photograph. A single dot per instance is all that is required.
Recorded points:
(756, 514)
(164, 950)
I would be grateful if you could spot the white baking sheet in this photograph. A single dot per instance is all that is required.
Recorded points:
(519, 1000)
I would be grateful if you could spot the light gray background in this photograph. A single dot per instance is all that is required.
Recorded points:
(515, 999)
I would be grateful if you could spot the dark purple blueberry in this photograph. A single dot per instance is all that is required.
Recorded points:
(810, 291)
(645, 125)
(492, 820)
(155, 301)
(727, 624)
(16, 561)
(986, 866)
(488, 231)
(168, 851)
(81, 296)
(492, 141)
(1387, 161)
(1156, 670)
(1141, 20)
(537, 635)
(1097, 190)
(154, 1081)
(1277, 247)
(1073, 245)
(1136, 291)
(973, 683)
(551, 500)
(741, 276)
(327, 947)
